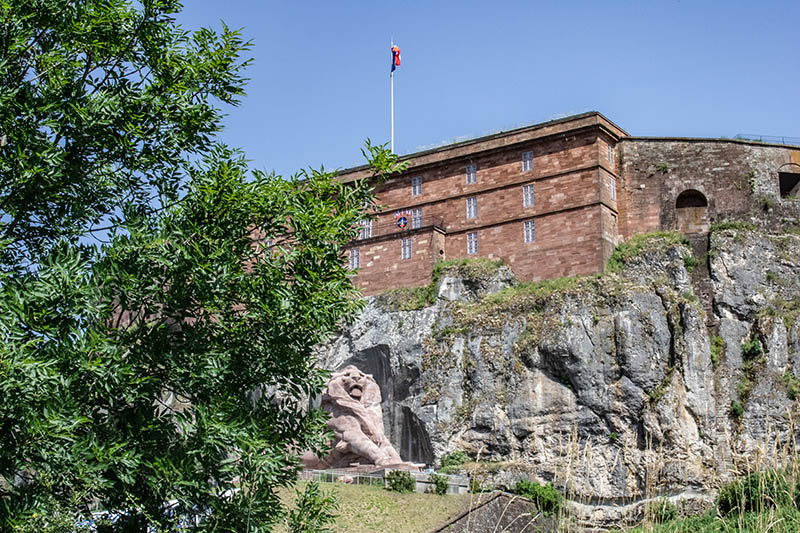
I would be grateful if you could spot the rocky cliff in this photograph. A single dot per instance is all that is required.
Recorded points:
(667, 374)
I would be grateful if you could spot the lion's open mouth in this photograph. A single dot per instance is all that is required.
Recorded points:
(356, 391)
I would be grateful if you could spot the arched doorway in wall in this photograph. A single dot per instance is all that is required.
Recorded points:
(691, 208)
(789, 180)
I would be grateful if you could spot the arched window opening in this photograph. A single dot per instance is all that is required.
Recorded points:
(691, 198)
(789, 184)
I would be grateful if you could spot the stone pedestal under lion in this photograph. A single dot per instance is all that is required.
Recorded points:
(353, 400)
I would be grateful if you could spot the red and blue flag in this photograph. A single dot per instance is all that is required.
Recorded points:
(395, 57)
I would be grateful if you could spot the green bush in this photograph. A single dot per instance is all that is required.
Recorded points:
(690, 261)
(454, 459)
(752, 349)
(661, 511)
(792, 385)
(314, 512)
(737, 409)
(439, 484)
(400, 481)
(717, 347)
(546, 497)
(756, 492)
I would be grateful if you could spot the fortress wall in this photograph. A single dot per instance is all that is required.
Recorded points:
(567, 244)
(382, 266)
(734, 176)
(444, 187)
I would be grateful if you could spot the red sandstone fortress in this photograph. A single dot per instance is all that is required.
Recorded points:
(554, 199)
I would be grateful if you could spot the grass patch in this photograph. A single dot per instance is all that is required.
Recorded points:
(638, 244)
(690, 261)
(538, 290)
(375, 509)
(732, 224)
(414, 299)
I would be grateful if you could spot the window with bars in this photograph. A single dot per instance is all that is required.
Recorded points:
(612, 188)
(416, 218)
(472, 207)
(527, 161)
(472, 174)
(416, 186)
(527, 195)
(472, 242)
(406, 248)
(530, 230)
(355, 258)
(366, 229)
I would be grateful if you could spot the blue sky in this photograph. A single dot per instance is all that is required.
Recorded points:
(320, 78)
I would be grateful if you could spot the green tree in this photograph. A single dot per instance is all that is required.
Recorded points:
(163, 373)
(101, 103)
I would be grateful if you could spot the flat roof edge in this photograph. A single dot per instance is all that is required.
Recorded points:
(486, 138)
(710, 139)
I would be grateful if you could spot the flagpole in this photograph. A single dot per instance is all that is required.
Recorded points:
(391, 99)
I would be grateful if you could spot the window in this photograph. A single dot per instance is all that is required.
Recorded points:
(406, 248)
(612, 188)
(530, 231)
(416, 218)
(610, 155)
(472, 242)
(472, 207)
(527, 161)
(527, 195)
(416, 186)
(472, 174)
(355, 258)
(366, 230)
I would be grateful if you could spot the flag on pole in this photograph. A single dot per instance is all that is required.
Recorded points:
(395, 57)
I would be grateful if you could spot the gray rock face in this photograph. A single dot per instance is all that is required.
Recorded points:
(613, 387)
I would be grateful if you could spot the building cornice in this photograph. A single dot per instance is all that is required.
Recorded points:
(419, 161)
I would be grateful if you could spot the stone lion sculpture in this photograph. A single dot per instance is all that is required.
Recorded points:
(354, 401)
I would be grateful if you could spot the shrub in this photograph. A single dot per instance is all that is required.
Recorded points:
(439, 484)
(717, 346)
(315, 510)
(546, 497)
(792, 385)
(662, 511)
(612, 438)
(752, 349)
(400, 481)
(757, 492)
(454, 459)
(690, 261)
(737, 409)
